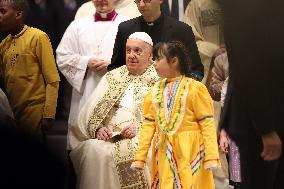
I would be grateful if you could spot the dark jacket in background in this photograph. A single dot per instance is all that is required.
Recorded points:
(165, 8)
(254, 102)
(52, 17)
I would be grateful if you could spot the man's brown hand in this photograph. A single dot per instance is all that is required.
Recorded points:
(272, 146)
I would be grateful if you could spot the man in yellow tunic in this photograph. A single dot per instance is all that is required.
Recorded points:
(105, 138)
(29, 69)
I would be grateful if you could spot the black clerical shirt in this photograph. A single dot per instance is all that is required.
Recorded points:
(154, 29)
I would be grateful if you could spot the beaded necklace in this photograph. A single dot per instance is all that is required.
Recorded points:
(179, 102)
(169, 98)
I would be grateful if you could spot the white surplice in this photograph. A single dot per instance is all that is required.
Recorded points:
(83, 40)
(123, 7)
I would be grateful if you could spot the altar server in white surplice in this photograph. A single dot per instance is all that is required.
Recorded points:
(123, 7)
(85, 51)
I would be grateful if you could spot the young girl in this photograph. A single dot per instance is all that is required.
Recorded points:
(178, 114)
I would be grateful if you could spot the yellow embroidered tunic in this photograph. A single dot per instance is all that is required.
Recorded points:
(185, 147)
(30, 76)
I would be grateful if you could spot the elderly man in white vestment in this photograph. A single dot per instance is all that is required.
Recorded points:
(85, 51)
(105, 138)
(123, 7)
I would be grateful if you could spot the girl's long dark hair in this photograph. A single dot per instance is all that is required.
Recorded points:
(174, 49)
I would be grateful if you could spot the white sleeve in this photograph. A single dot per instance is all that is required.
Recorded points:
(5, 105)
(224, 91)
(71, 64)
(87, 9)
(87, 109)
(79, 131)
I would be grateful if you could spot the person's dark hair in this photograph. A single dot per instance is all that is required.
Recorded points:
(174, 49)
(18, 5)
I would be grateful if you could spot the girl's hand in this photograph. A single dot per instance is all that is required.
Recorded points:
(223, 141)
(136, 167)
(223, 144)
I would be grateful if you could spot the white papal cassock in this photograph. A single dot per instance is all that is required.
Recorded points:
(115, 104)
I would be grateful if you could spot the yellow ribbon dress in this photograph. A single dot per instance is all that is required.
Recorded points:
(178, 116)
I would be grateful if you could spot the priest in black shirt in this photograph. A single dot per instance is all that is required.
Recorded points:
(160, 28)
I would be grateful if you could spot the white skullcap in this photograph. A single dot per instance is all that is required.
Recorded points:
(142, 36)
